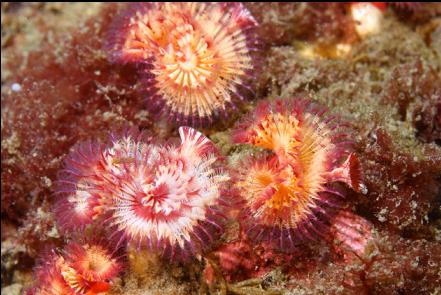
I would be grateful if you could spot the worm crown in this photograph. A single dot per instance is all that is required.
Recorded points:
(86, 267)
(290, 194)
(165, 197)
(195, 58)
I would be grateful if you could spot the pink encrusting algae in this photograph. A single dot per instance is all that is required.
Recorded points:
(352, 233)
(290, 195)
(195, 59)
(86, 267)
(165, 197)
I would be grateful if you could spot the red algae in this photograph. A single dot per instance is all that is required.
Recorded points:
(196, 58)
(401, 190)
(393, 265)
(242, 259)
(414, 13)
(412, 81)
(324, 23)
(396, 264)
(385, 265)
(88, 92)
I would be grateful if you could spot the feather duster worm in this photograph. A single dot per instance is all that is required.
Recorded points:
(290, 194)
(164, 197)
(84, 184)
(170, 201)
(196, 58)
(86, 267)
(49, 278)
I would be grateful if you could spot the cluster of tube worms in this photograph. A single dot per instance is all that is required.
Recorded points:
(194, 61)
